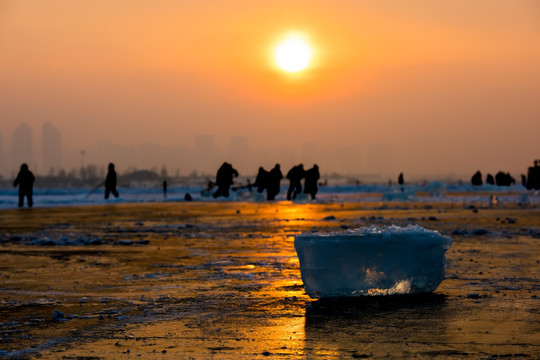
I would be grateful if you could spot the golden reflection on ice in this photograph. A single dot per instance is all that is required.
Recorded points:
(297, 216)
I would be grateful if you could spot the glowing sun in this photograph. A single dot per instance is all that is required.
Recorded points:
(293, 54)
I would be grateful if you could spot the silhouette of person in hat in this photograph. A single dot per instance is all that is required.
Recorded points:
(312, 176)
(274, 182)
(25, 181)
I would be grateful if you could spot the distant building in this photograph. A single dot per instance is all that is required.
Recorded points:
(22, 148)
(51, 149)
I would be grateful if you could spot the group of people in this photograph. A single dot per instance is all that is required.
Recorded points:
(25, 181)
(531, 181)
(500, 179)
(505, 179)
(271, 181)
(295, 176)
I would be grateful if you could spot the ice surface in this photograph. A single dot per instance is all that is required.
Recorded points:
(437, 189)
(372, 261)
(396, 195)
(440, 192)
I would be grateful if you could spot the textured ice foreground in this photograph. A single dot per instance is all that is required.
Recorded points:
(372, 261)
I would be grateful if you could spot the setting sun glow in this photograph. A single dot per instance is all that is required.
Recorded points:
(293, 54)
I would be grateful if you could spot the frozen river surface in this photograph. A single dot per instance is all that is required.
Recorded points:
(221, 280)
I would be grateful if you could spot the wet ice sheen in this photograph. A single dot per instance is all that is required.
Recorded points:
(372, 261)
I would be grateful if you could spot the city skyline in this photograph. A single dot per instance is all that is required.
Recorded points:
(203, 155)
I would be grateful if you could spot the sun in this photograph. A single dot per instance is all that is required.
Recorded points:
(293, 54)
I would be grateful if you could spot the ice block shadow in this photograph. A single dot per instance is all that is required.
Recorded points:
(374, 326)
(355, 308)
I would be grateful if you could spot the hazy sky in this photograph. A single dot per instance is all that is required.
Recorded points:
(423, 87)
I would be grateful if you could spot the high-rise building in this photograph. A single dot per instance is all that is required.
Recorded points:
(22, 148)
(51, 149)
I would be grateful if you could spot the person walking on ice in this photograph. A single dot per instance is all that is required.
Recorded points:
(25, 181)
(224, 180)
(295, 176)
(110, 182)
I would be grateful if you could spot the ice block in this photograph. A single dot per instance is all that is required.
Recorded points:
(372, 261)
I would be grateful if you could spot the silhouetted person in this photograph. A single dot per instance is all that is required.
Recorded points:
(499, 179)
(476, 179)
(25, 181)
(274, 182)
(533, 176)
(295, 176)
(261, 181)
(188, 197)
(490, 180)
(164, 188)
(224, 179)
(400, 179)
(312, 176)
(523, 180)
(110, 182)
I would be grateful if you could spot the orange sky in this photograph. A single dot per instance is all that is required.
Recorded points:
(422, 87)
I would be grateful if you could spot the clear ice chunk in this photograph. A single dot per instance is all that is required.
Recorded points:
(372, 261)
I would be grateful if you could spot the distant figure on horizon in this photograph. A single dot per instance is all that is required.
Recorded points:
(533, 176)
(224, 180)
(261, 181)
(164, 189)
(312, 176)
(490, 180)
(401, 181)
(110, 182)
(476, 179)
(25, 181)
(274, 182)
(295, 176)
